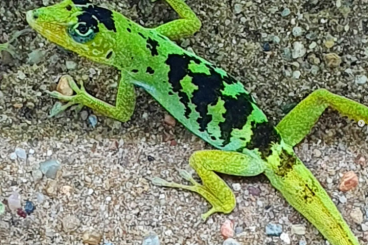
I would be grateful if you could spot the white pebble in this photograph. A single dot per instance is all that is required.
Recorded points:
(361, 79)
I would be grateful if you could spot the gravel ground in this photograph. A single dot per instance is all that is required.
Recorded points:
(282, 50)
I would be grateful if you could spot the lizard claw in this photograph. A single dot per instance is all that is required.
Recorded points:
(71, 99)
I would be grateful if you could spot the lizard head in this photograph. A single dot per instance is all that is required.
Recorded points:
(79, 26)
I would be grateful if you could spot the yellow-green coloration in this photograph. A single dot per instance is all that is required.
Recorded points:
(209, 102)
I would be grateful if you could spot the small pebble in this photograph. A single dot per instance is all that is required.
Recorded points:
(236, 187)
(266, 47)
(29, 207)
(21, 213)
(70, 223)
(273, 230)
(227, 229)
(342, 199)
(361, 79)
(285, 237)
(298, 229)
(63, 86)
(365, 227)
(296, 74)
(92, 119)
(50, 168)
(40, 198)
(297, 31)
(21, 153)
(348, 181)
(13, 156)
(14, 201)
(238, 8)
(298, 50)
(36, 174)
(357, 215)
(255, 191)
(302, 242)
(92, 237)
(84, 115)
(151, 239)
(169, 120)
(70, 65)
(317, 153)
(332, 60)
(285, 12)
(329, 43)
(2, 208)
(230, 241)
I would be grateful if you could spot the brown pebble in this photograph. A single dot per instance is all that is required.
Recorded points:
(348, 181)
(63, 86)
(92, 237)
(332, 60)
(170, 120)
(361, 160)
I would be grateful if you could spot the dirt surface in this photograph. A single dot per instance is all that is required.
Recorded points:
(103, 182)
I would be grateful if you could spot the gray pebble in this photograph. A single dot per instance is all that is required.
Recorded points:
(36, 174)
(92, 119)
(70, 65)
(238, 8)
(285, 12)
(49, 168)
(151, 239)
(297, 31)
(84, 115)
(298, 50)
(302, 242)
(13, 156)
(230, 241)
(21, 153)
(361, 79)
(273, 230)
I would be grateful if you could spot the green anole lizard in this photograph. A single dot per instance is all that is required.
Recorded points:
(206, 100)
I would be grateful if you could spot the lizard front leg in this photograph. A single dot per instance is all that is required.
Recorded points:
(214, 189)
(122, 111)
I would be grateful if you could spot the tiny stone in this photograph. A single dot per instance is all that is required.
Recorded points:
(312, 45)
(296, 74)
(13, 156)
(285, 237)
(357, 215)
(365, 227)
(50, 168)
(342, 199)
(92, 237)
(314, 69)
(348, 181)
(298, 50)
(36, 174)
(14, 201)
(92, 119)
(151, 239)
(227, 229)
(31, 151)
(238, 8)
(297, 31)
(2, 208)
(40, 198)
(70, 65)
(298, 229)
(230, 241)
(29, 207)
(302, 242)
(84, 115)
(70, 223)
(63, 86)
(361, 79)
(21, 153)
(329, 43)
(236, 187)
(276, 39)
(169, 120)
(273, 230)
(238, 230)
(317, 153)
(255, 191)
(285, 12)
(332, 60)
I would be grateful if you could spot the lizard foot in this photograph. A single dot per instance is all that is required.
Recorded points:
(81, 93)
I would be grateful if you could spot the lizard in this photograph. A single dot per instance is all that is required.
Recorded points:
(208, 101)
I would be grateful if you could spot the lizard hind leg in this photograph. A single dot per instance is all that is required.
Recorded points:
(213, 188)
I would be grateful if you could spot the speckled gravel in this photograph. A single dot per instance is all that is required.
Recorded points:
(281, 50)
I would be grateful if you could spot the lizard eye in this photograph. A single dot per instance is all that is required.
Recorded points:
(81, 32)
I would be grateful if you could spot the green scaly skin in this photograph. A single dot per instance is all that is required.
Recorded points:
(209, 102)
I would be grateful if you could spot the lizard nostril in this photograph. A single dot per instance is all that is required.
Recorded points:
(35, 15)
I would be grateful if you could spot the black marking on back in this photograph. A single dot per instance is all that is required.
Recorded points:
(89, 20)
(103, 15)
(128, 29)
(81, 2)
(152, 46)
(149, 70)
(210, 87)
(264, 134)
(140, 34)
